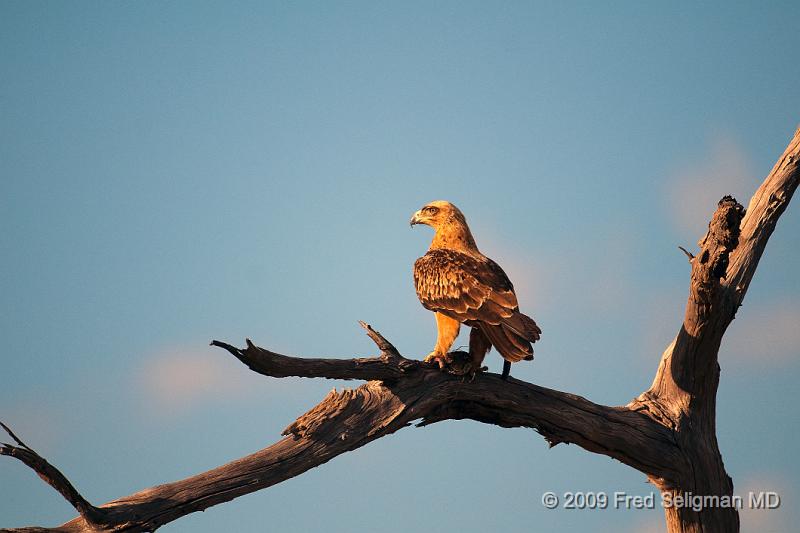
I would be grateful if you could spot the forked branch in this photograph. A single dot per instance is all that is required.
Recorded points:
(52, 476)
(403, 392)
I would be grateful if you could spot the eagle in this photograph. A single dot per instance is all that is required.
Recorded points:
(463, 286)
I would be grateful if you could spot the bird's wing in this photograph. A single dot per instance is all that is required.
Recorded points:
(465, 288)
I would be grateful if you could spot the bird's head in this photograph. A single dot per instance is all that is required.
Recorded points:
(451, 227)
(438, 214)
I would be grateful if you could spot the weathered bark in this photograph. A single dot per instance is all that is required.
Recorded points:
(400, 391)
(684, 392)
(668, 432)
(685, 387)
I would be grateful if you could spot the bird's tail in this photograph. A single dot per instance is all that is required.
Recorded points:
(513, 337)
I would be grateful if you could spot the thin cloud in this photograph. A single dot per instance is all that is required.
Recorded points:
(764, 334)
(767, 520)
(177, 379)
(694, 189)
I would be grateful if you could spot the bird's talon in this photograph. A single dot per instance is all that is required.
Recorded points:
(440, 359)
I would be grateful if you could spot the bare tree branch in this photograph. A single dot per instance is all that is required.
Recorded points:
(688, 254)
(52, 476)
(390, 365)
(684, 391)
(348, 419)
(765, 208)
(729, 254)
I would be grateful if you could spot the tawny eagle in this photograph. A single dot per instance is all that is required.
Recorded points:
(461, 285)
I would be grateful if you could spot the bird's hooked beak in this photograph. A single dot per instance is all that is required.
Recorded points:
(417, 218)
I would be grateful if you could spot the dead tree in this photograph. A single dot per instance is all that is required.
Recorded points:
(668, 432)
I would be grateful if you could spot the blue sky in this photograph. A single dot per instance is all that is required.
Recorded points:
(177, 172)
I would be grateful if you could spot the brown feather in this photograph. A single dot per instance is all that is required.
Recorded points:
(504, 341)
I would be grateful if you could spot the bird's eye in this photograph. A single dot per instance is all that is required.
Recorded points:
(430, 210)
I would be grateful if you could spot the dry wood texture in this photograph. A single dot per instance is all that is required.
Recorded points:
(668, 432)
